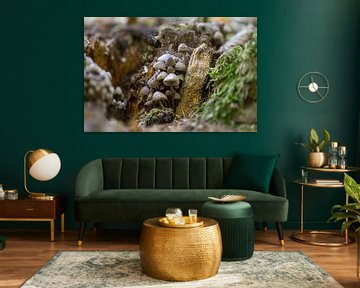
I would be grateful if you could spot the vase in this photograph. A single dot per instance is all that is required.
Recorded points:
(317, 159)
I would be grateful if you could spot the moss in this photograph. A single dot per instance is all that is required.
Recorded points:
(158, 116)
(233, 81)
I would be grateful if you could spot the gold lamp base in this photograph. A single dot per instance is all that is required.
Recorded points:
(34, 156)
(41, 196)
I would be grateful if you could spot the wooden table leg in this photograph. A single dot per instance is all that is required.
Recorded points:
(52, 230)
(63, 223)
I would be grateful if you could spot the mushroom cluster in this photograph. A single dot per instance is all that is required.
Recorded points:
(97, 83)
(216, 31)
(98, 87)
(163, 87)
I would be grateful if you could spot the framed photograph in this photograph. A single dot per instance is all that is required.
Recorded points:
(170, 74)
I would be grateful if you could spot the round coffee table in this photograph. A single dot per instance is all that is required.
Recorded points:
(180, 254)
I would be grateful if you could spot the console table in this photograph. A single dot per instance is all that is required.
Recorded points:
(296, 236)
(27, 209)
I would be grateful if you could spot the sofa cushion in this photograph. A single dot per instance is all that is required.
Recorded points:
(251, 172)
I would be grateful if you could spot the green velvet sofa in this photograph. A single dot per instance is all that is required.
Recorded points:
(130, 190)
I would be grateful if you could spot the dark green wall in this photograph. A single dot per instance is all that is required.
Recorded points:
(41, 96)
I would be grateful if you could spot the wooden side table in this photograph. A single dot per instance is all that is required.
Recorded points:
(26, 209)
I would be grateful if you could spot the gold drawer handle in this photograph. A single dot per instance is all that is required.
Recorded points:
(29, 209)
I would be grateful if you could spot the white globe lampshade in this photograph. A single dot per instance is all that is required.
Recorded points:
(44, 164)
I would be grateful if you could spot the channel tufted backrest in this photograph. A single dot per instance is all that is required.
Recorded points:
(164, 173)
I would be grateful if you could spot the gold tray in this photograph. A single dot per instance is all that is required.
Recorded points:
(228, 198)
(165, 222)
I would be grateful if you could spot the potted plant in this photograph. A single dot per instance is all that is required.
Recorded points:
(350, 214)
(317, 157)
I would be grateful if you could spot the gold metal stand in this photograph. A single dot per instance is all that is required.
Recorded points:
(296, 236)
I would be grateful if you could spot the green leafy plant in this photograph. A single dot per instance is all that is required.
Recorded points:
(349, 214)
(234, 84)
(314, 144)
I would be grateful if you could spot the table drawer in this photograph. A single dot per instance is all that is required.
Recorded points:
(28, 209)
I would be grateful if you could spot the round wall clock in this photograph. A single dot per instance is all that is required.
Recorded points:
(313, 87)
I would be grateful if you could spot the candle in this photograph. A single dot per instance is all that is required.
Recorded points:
(333, 144)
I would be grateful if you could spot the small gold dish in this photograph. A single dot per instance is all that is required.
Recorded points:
(228, 198)
(188, 224)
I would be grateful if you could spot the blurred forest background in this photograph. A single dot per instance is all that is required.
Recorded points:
(170, 74)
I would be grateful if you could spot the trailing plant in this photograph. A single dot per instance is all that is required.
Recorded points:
(233, 81)
(349, 214)
(314, 144)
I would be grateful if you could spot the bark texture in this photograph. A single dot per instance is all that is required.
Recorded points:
(195, 80)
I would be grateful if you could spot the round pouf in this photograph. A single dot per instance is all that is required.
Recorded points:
(236, 222)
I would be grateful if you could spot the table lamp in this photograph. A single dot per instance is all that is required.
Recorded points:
(43, 165)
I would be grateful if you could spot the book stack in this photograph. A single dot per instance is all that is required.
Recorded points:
(327, 181)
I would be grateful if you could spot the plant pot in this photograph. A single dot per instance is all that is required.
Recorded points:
(317, 159)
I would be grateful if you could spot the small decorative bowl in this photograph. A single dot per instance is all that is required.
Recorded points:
(228, 198)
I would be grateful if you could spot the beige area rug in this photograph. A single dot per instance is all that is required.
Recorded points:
(105, 269)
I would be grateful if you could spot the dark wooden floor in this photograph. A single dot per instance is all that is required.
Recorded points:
(28, 250)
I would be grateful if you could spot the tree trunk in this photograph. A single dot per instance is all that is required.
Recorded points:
(195, 80)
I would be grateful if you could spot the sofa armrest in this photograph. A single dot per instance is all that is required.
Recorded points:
(89, 179)
(277, 184)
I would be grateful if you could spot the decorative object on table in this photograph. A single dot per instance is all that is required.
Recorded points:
(333, 150)
(313, 87)
(304, 176)
(228, 198)
(11, 194)
(2, 242)
(174, 215)
(43, 165)
(350, 213)
(328, 182)
(236, 221)
(180, 254)
(101, 269)
(193, 215)
(317, 158)
(187, 223)
(342, 153)
(2, 192)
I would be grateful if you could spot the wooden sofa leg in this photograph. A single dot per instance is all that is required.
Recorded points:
(265, 227)
(81, 233)
(280, 233)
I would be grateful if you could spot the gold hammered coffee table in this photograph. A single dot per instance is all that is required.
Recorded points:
(180, 254)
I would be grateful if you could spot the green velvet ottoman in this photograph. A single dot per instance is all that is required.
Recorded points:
(236, 221)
